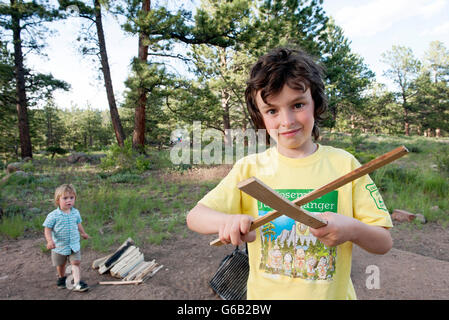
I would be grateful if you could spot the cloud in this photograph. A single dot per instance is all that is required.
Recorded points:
(380, 15)
(440, 30)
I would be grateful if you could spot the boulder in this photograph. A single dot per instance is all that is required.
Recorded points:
(13, 167)
(405, 216)
(77, 157)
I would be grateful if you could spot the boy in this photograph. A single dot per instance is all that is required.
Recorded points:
(62, 229)
(288, 260)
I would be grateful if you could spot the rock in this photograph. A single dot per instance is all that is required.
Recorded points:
(421, 218)
(77, 157)
(21, 173)
(405, 216)
(13, 167)
(81, 157)
(402, 216)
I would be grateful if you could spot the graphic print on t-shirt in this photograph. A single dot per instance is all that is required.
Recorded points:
(288, 247)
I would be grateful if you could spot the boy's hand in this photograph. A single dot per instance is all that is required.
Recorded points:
(51, 245)
(235, 229)
(339, 229)
(85, 235)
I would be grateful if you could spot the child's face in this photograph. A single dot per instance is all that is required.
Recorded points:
(288, 118)
(66, 201)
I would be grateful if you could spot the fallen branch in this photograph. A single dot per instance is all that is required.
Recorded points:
(120, 282)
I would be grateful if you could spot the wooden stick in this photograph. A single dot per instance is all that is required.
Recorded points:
(120, 282)
(351, 176)
(260, 191)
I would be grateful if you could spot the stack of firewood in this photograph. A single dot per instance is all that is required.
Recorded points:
(128, 264)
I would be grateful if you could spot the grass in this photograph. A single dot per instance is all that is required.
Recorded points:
(150, 206)
(113, 205)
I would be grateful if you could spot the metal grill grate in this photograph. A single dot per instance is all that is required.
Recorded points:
(229, 282)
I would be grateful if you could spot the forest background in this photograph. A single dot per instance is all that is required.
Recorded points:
(215, 44)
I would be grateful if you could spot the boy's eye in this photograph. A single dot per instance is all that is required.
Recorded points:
(271, 111)
(298, 105)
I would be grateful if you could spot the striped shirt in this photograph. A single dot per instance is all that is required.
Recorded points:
(65, 232)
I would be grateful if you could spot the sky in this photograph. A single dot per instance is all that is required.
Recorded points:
(372, 26)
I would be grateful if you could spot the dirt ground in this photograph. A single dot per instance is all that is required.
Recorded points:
(416, 268)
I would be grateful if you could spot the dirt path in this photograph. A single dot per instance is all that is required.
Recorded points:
(189, 263)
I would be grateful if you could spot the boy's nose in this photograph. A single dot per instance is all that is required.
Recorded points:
(287, 118)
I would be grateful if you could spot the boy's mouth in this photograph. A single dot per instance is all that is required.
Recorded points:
(289, 133)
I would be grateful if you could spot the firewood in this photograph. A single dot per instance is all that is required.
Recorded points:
(106, 265)
(134, 251)
(152, 273)
(120, 282)
(139, 268)
(96, 263)
(123, 272)
(146, 271)
(103, 268)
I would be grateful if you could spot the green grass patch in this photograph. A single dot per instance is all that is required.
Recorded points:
(150, 208)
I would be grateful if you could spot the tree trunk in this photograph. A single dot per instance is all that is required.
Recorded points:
(225, 98)
(116, 123)
(21, 101)
(49, 141)
(139, 115)
(406, 120)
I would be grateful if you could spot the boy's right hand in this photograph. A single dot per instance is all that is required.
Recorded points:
(235, 229)
(50, 245)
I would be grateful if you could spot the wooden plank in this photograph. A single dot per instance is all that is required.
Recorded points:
(153, 272)
(141, 266)
(96, 263)
(134, 251)
(260, 191)
(351, 176)
(120, 282)
(146, 271)
(123, 272)
(103, 267)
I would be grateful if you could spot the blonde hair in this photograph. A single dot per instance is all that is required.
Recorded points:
(63, 189)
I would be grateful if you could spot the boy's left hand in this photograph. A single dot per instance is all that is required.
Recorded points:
(85, 235)
(339, 229)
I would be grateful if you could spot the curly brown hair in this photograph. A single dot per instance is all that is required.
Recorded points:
(281, 66)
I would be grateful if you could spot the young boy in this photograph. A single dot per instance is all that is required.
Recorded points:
(288, 260)
(62, 229)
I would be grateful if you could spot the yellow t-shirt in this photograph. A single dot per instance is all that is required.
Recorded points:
(286, 261)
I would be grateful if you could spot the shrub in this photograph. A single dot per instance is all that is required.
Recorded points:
(125, 159)
(56, 150)
(13, 226)
(442, 160)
